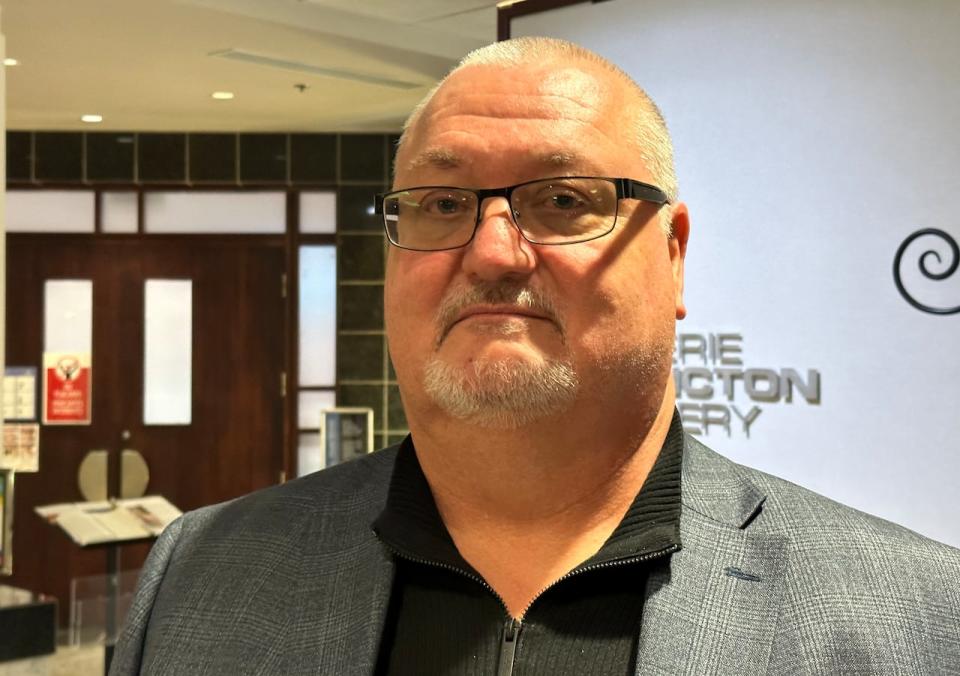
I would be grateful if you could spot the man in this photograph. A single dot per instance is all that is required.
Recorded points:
(538, 520)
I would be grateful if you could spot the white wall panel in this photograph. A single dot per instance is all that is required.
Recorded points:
(118, 211)
(237, 212)
(50, 210)
(309, 405)
(167, 351)
(310, 458)
(68, 315)
(318, 212)
(812, 140)
(318, 315)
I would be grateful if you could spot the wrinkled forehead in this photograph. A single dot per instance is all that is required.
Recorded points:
(580, 104)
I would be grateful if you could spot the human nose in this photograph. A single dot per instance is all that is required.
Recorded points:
(498, 249)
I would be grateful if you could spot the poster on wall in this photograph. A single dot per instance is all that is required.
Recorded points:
(21, 447)
(66, 388)
(19, 393)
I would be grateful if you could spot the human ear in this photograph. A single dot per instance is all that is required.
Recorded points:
(680, 231)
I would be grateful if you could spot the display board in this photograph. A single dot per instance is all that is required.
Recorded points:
(816, 148)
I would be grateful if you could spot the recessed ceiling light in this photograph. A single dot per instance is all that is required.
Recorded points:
(10, 62)
(222, 96)
(91, 118)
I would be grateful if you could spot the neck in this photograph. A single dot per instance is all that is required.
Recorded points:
(541, 499)
(553, 469)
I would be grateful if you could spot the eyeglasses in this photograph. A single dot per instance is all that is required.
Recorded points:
(563, 210)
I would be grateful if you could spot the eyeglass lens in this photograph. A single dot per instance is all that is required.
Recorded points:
(553, 211)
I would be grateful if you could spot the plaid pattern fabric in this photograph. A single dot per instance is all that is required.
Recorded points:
(772, 579)
(775, 579)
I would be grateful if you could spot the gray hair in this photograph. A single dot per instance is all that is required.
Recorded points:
(656, 149)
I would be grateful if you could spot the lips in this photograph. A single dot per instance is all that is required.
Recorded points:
(511, 310)
(501, 298)
(504, 311)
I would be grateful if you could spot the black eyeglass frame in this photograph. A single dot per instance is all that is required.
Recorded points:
(627, 188)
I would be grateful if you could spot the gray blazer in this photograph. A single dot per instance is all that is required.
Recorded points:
(772, 579)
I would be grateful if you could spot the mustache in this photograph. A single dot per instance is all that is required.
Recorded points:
(495, 293)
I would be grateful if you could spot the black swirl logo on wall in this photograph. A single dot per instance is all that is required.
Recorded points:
(925, 268)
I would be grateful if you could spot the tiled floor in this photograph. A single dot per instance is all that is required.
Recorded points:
(80, 661)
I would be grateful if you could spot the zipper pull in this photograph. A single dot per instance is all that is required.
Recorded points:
(508, 647)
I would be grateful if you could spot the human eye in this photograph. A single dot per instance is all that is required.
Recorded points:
(444, 204)
(564, 201)
(561, 197)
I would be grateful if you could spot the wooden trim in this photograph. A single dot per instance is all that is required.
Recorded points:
(318, 238)
(97, 212)
(292, 329)
(506, 14)
(33, 155)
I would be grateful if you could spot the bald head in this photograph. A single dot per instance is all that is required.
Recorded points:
(640, 115)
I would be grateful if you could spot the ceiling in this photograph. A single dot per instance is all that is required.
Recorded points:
(152, 65)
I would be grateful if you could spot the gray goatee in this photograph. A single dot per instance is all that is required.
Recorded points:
(504, 393)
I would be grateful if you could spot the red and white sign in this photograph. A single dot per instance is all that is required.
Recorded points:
(66, 388)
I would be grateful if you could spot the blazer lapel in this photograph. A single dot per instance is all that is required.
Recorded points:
(712, 607)
(338, 612)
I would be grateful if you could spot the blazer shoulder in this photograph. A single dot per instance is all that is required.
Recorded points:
(351, 492)
(811, 521)
(226, 584)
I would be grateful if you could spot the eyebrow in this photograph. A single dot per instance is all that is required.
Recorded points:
(439, 158)
(560, 159)
(445, 158)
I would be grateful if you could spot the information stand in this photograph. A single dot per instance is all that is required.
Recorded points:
(110, 524)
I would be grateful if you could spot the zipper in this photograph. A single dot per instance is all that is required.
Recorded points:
(447, 566)
(511, 629)
(508, 647)
(670, 549)
(512, 626)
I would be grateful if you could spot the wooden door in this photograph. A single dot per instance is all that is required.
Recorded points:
(234, 442)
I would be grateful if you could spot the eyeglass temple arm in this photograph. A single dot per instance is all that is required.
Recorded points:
(642, 191)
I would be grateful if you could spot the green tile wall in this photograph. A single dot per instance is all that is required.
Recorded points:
(364, 374)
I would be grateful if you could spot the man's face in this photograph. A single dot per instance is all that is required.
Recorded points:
(505, 324)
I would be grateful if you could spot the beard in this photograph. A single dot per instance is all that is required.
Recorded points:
(512, 392)
(500, 393)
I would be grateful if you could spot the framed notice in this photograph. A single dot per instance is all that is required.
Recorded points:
(345, 433)
(21, 447)
(19, 393)
(67, 383)
(6, 522)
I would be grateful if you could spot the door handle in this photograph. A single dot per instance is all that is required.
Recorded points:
(134, 474)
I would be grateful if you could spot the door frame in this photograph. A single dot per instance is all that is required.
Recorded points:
(291, 240)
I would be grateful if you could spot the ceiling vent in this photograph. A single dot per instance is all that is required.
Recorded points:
(272, 62)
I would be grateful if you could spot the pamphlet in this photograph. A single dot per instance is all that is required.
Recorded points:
(89, 523)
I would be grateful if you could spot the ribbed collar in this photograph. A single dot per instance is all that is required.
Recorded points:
(411, 524)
